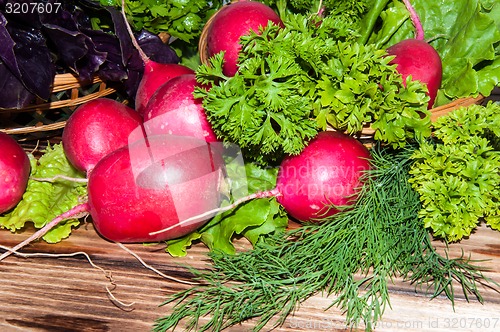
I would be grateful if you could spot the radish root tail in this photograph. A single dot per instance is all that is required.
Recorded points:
(107, 274)
(262, 194)
(136, 256)
(70, 214)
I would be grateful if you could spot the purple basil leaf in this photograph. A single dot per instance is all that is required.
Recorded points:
(126, 46)
(74, 48)
(112, 69)
(156, 49)
(7, 48)
(24, 52)
(34, 61)
(13, 93)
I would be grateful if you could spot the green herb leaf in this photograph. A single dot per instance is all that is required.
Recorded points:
(295, 81)
(458, 173)
(183, 19)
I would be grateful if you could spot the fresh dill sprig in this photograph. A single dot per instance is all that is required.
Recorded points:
(353, 256)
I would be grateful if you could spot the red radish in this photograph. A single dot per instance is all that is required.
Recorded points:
(14, 172)
(155, 75)
(416, 58)
(232, 22)
(153, 184)
(313, 185)
(174, 110)
(97, 128)
(167, 186)
(327, 173)
(146, 186)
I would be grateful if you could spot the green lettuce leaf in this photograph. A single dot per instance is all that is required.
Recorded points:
(43, 201)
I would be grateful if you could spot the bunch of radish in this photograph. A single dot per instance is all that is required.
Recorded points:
(157, 172)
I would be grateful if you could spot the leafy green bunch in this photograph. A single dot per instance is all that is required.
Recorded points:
(354, 256)
(457, 174)
(351, 10)
(183, 19)
(294, 81)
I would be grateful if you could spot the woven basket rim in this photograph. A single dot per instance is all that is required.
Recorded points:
(66, 81)
(62, 82)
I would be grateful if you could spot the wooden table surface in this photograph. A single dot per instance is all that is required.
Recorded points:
(68, 294)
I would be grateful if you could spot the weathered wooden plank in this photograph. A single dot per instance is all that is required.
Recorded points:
(68, 294)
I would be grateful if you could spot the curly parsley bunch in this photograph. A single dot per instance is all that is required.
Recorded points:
(457, 174)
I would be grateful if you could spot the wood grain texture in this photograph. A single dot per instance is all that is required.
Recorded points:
(68, 294)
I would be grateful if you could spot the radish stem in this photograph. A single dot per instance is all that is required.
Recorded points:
(62, 177)
(261, 194)
(143, 55)
(419, 33)
(82, 208)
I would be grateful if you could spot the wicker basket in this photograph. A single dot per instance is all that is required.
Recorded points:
(67, 93)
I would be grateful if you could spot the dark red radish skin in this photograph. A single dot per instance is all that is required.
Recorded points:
(326, 173)
(96, 129)
(173, 110)
(416, 58)
(151, 185)
(14, 172)
(232, 22)
(158, 184)
(155, 75)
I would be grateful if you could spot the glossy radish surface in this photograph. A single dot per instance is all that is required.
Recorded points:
(174, 110)
(326, 173)
(418, 59)
(96, 129)
(155, 75)
(151, 185)
(14, 172)
(232, 22)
